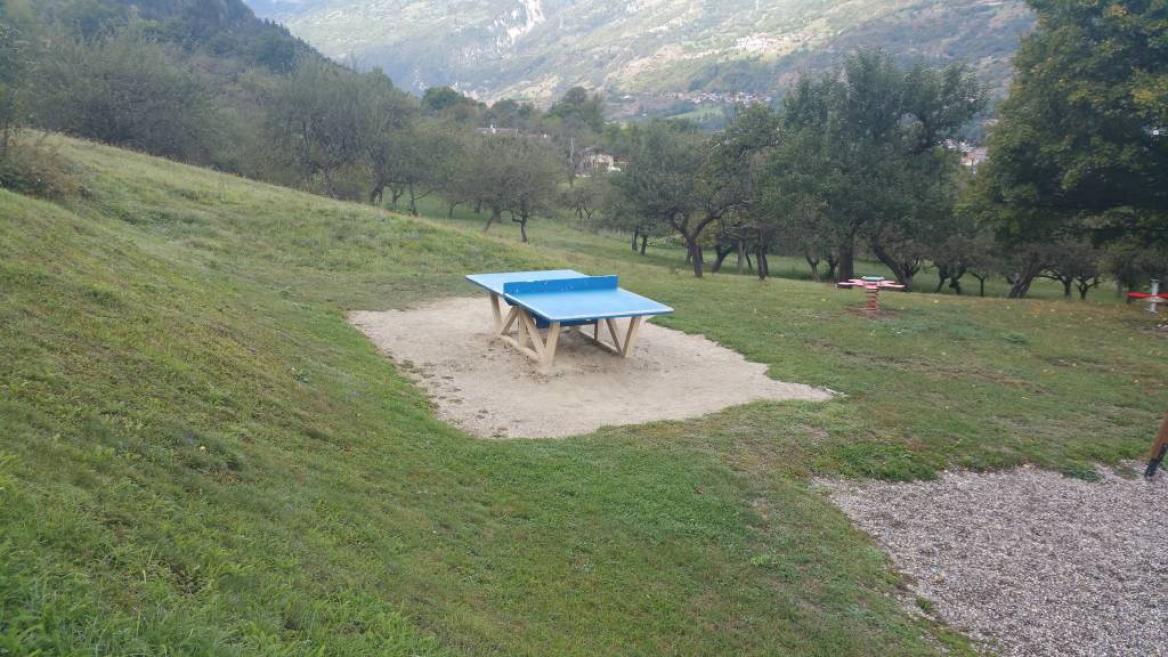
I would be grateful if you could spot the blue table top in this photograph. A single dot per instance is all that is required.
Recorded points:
(495, 282)
(580, 299)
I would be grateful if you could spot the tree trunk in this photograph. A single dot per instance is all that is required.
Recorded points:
(955, 285)
(1066, 287)
(496, 215)
(813, 262)
(450, 211)
(644, 243)
(722, 255)
(695, 257)
(846, 263)
(523, 229)
(1085, 286)
(413, 201)
(903, 271)
(740, 247)
(329, 186)
(832, 264)
(943, 275)
(1020, 286)
(636, 234)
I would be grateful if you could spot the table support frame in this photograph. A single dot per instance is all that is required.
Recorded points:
(519, 329)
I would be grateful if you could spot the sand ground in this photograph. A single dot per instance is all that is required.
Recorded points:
(488, 389)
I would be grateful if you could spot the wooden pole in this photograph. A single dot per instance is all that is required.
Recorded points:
(1159, 450)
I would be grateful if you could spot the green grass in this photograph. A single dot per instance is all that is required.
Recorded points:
(201, 457)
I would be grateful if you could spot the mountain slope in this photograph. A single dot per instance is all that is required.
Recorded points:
(539, 48)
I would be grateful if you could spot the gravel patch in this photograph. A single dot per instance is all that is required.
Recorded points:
(1027, 561)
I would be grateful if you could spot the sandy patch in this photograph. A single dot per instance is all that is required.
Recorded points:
(490, 390)
(1028, 561)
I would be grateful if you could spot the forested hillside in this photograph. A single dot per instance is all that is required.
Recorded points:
(537, 49)
(181, 78)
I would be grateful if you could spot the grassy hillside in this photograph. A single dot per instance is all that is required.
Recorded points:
(200, 456)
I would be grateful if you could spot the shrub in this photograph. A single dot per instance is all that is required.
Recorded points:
(32, 168)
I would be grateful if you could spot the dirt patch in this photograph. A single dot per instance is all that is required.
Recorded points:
(490, 390)
(1028, 561)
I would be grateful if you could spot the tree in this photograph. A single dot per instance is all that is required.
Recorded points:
(128, 91)
(588, 199)
(1133, 264)
(516, 175)
(418, 160)
(1081, 143)
(1075, 264)
(794, 193)
(508, 113)
(740, 187)
(668, 182)
(13, 66)
(447, 103)
(579, 110)
(967, 249)
(329, 118)
(875, 134)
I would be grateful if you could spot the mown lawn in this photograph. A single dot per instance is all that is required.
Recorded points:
(199, 455)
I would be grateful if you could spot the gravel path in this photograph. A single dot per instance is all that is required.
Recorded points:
(1028, 561)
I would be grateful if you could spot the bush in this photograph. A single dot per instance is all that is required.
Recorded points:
(126, 91)
(32, 168)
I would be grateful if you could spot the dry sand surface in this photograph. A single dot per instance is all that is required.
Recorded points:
(1028, 561)
(490, 390)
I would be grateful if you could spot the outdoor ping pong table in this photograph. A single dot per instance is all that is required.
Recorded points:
(544, 303)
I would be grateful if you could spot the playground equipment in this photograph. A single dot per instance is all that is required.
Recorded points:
(872, 286)
(1154, 298)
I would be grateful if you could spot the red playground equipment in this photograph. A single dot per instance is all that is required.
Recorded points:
(1154, 298)
(872, 286)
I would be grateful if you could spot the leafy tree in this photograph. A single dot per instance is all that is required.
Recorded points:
(329, 118)
(792, 194)
(579, 109)
(508, 113)
(588, 199)
(129, 91)
(13, 66)
(92, 19)
(966, 250)
(1076, 264)
(874, 133)
(1082, 138)
(1134, 264)
(1080, 145)
(415, 161)
(738, 180)
(449, 104)
(516, 175)
(669, 183)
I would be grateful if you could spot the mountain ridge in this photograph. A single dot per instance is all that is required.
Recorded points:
(537, 49)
